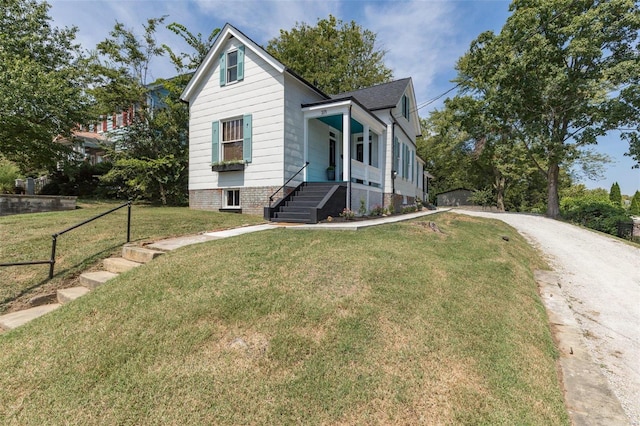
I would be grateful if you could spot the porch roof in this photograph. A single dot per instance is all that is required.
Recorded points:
(339, 102)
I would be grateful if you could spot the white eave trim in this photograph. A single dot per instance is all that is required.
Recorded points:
(210, 60)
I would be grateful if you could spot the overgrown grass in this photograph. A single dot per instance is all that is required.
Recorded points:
(27, 237)
(390, 325)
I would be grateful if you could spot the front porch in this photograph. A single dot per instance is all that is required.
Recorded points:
(344, 142)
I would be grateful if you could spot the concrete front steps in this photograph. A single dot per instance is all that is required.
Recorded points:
(132, 257)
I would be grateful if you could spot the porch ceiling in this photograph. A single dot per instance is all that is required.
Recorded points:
(335, 121)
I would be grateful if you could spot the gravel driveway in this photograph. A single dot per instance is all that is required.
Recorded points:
(601, 282)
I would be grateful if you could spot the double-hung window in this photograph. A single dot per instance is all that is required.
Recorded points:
(232, 138)
(232, 66)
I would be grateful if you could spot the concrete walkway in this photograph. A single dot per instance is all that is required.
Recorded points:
(177, 242)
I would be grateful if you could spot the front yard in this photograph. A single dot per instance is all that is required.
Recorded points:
(27, 237)
(390, 325)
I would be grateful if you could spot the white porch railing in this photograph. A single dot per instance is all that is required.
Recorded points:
(367, 174)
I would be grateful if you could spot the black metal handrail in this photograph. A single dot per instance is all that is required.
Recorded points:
(285, 184)
(55, 236)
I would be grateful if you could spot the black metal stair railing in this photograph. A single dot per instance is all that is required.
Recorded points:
(285, 184)
(54, 237)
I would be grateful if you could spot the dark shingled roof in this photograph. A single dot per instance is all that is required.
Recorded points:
(382, 96)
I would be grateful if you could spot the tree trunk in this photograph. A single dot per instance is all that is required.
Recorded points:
(500, 187)
(553, 202)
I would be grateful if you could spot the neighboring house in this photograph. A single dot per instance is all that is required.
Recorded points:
(254, 125)
(86, 145)
(454, 197)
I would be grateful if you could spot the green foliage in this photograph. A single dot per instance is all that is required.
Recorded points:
(81, 179)
(560, 74)
(151, 155)
(335, 56)
(42, 85)
(634, 208)
(159, 179)
(348, 214)
(614, 194)
(363, 207)
(9, 172)
(377, 210)
(593, 212)
(483, 197)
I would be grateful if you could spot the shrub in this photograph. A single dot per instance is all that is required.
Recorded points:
(408, 209)
(634, 208)
(482, 197)
(9, 172)
(363, 207)
(593, 213)
(377, 210)
(348, 214)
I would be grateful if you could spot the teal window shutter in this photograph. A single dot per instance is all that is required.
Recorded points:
(246, 135)
(223, 69)
(396, 155)
(240, 63)
(215, 142)
(413, 166)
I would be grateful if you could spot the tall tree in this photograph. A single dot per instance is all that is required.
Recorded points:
(151, 156)
(334, 55)
(42, 84)
(634, 209)
(560, 74)
(615, 196)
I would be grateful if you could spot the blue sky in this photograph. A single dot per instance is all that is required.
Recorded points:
(422, 38)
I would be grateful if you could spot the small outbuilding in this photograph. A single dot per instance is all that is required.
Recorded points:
(454, 197)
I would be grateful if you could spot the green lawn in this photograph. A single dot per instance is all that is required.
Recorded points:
(390, 325)
(27, 237)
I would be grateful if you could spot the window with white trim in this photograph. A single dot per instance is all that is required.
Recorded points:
(232, 66)
(232, 198)
(232, 137)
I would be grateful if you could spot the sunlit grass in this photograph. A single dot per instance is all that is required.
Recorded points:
(27, 237)
(390, 325)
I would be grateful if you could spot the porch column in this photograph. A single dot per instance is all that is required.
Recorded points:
(306, 147)
(365, 152)
(346, 153)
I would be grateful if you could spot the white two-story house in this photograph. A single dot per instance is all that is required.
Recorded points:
(262, 140)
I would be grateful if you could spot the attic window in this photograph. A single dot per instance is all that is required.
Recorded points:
(232, 66)
(405, 107)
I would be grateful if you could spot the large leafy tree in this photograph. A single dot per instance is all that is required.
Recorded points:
(336, 56)
(151, 156)
(560, 74)
(42, 84)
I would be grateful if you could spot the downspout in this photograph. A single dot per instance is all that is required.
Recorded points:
(393, 161)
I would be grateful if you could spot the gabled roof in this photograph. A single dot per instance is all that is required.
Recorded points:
(382, 96)
(228, 32)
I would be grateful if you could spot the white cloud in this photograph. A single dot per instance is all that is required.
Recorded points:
(418, 37)
(262, 20)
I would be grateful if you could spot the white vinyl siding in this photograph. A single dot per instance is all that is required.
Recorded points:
(261, 95)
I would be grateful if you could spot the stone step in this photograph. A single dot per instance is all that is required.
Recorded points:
(140, 254)
(16, 319)
(92, 280)
(66, 295)
(118, 265)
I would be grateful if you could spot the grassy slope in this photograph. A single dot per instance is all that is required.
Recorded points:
(27, 237)
(392, 325)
